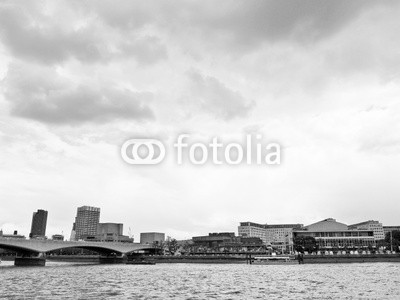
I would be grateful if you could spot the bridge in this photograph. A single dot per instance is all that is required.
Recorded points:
(33, 251)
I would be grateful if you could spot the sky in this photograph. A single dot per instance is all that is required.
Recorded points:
(79, 78)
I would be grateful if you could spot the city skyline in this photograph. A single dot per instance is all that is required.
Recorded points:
(82, 209)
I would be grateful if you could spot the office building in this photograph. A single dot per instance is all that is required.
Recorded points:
(277, 236)
(39, 222)
(152, 237)
(86, 222)
(73, 233)
(375, 226)
(250, 229)
(280, 236)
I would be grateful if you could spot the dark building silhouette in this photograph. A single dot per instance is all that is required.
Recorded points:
(39, 222)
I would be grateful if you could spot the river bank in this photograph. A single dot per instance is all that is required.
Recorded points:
(227, 259)
(349, 258)
(157, 259)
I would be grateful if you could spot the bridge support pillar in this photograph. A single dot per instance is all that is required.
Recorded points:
(112, 259)
(30, 260)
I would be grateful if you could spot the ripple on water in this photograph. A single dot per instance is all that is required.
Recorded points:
(200, 281)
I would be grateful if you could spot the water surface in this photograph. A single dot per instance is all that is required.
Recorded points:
(201, 281)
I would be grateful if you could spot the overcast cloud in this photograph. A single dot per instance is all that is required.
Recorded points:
(42, 94)
(80, 78)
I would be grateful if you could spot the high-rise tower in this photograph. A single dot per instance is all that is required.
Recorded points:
(39, 222)
(86, 221)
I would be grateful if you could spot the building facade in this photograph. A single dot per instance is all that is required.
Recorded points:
(226, 242)
(57, 237)
(213, 240)
(375, 226)
(15, 235)
(86, 222)
(39, 222)
(109, 232)
(389, 229)
(332, 235)
(107, 228)
(251, 229)
(152, 237)
(278, 236)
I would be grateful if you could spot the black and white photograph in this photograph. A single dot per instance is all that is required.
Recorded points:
(187, 149)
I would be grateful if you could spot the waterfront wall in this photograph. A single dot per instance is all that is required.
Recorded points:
(158, 259)
(332, 259)
(204, 259)
(227, 259)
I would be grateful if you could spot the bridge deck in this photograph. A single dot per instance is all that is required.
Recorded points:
(43, 246)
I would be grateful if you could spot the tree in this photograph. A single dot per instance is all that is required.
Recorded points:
(159, 247)
(172, 245)
(393, 239)
(305, 243)
(186, 247)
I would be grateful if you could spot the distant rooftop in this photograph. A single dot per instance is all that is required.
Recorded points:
(269, 226)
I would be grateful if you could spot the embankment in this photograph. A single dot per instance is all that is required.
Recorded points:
(340, 259)
(227, 259)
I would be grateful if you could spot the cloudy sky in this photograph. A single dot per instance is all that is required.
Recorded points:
(79, 78)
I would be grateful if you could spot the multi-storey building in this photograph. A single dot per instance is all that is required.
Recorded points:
(226, 242)
(109, 232)
(39, 222)
(375, 226)
(251, 229)
(86, 222)
(152, 237)
(279, 236)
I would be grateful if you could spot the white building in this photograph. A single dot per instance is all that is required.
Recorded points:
(330, 235)
(250, 229)
(279, 236)
(375, 226)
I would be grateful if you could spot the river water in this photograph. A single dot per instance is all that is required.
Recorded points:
(200, 281)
